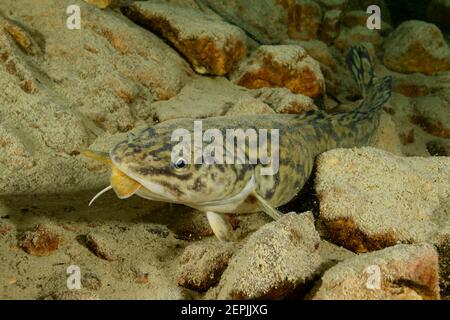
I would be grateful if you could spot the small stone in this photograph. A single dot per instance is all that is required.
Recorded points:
(211, 45)
(250, 106)
(91, 281)
(41, 241)
(286, 66)
(386, 137)
(406, 272)
(202, 264)
(277, 261)
(100, 246)
(416, 46)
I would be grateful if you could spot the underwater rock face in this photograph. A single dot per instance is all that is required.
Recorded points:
(209, 44)
(371, 199)
(402, 272)
(286, 66)
(276, 261)
(416, 46)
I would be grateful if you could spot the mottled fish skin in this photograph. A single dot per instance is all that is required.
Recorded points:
(301, 139)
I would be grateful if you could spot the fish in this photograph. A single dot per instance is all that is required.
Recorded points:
(144, 165)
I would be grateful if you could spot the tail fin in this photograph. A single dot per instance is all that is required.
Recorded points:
(375, 91)
(359, 62)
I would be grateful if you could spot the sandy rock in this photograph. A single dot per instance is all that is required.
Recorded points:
(416, 46)
(406, 272)
(332, 254)
(65, 88)
(252, 16)
(387, 137)
(413, 85)
(360, 35)
(438, 12)
(202, 264)
(281, 100)
(331, 25)
(371, 199)
(318, 50)
(208, 97)
(210, 45)
(276, 261)
(102, 4)
(100, 245)
(286, 66)
(41, 241)
(432, 114)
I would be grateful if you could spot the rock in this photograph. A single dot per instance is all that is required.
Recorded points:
(413, 85)
(333, 4)
(432, 114)
(102, 4)
(331, 26)
(318, 50)
(281, 100)
(41, 241)
(371, 199)
(286, 66)
(277, 260)
(209, 44)
(416, 46)
(303, 18)
(252, 16)
(387, 137)
(207, 97)
(406, 272)
(100, 245)
(81, 294)
(66, 88)
(202, 264)
(332, 254)
(438, 12)
(360, 35)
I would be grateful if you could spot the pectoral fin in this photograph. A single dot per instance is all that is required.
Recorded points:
(124, 186)
(220, 226)
(267, 208)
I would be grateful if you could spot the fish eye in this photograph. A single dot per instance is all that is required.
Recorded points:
(180, 163)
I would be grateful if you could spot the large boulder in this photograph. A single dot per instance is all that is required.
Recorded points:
(416, 46)
(209, 44)
(287, 66)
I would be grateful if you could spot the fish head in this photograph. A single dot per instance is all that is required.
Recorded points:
(145, 166)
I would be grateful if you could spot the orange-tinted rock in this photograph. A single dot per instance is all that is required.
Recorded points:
(286, 66)
(209, 44)
(40, 242)
(359, 34)
(102, 4)
(416, 46)
(303, 18)
(402, 272)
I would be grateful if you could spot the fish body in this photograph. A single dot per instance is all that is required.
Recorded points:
(147, 159)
